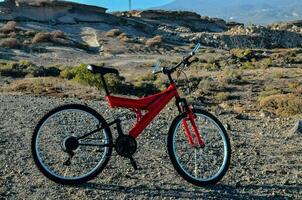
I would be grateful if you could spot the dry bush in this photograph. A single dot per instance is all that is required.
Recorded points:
(9, 43)
(124, 37)
(282, 104)
(230, 76)
(206, 85)
(41, 37)
(57, 34)
(8, 27)
(52, 87)
(27, 69)
(113, 33)
(137, 47)
(243, 54)
(154, 42)
(222, 96)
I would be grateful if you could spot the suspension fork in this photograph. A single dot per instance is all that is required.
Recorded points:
(183, 107)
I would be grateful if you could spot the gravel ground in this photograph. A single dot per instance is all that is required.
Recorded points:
(266, 160)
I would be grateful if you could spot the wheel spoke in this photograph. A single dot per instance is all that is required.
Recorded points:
(94, 144)
(208, 164)
(58, 133)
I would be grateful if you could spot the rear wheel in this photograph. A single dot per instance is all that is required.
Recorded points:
(59, 151)
(200, 166)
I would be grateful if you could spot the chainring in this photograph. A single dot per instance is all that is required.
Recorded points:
(125, 145)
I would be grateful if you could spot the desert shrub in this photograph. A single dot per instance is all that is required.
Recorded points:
(124, 37)
(222, 96)
(147, 77)
(269, 90)
(247, 65)
(230, 76)
(266, 63)
(82, 75)
(52, 87)
(9, 43)
(13, 70)
(282, 104)
(295, 87)
(206, 85)
(279, 75)
(25, 68)
(113, 33)
(8, 27)
(243, 54)
(30, 33)
(57, 34)
(147, 84)
(41, 37)
(154, 42)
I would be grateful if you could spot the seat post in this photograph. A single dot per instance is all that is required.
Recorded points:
(104, 85)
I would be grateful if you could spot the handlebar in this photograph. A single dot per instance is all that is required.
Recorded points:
(185, 61)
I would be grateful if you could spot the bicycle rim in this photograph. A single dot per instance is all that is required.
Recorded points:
(201, 164)
(49, 144)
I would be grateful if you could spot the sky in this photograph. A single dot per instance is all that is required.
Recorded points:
(122, 5)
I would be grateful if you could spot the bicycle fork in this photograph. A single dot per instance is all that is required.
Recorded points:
(191, 117)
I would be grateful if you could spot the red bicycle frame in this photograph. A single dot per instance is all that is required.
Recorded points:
(153, 105)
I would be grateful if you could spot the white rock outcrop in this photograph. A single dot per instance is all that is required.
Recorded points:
(50, 11)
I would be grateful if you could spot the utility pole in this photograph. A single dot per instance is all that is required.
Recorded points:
(129, 5)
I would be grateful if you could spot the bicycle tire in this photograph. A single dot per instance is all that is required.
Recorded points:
(176, 161)
(46, 169)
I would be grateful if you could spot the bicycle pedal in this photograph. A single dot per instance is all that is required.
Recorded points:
(133, 163)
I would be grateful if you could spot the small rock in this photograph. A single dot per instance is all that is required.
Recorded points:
(286, 182)
(228, 126)
(242, 117)
(297, 128)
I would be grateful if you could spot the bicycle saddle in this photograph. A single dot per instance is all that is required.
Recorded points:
(102, 70)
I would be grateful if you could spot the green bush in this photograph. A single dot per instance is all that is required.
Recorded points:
(82, 75)
(230, 76)
(266, 63)
(247, 65)
(25, 68)
(282, 104)
(222, 96)
(269, 90)
(243, 54)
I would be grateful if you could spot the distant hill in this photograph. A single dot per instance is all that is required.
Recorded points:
(254, 11)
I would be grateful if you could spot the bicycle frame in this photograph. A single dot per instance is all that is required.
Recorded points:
(154, 104)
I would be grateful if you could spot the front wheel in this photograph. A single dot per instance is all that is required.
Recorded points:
(200, 166)
(70, 145)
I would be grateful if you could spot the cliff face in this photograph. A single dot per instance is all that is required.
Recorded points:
(50, 11)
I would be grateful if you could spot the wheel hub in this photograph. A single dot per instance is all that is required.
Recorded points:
(125, 145)
(70, 143)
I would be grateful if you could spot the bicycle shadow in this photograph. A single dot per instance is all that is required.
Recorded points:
(216, 191)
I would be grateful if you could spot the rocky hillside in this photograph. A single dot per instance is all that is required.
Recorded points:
(174, 27)
(256, 11)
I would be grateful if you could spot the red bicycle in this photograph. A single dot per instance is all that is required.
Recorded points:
(73, 143)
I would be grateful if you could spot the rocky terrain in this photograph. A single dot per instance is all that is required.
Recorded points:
(249, 76)
(266, 160)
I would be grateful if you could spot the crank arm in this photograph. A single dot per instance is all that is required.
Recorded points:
(133, 163)
(70, 156)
